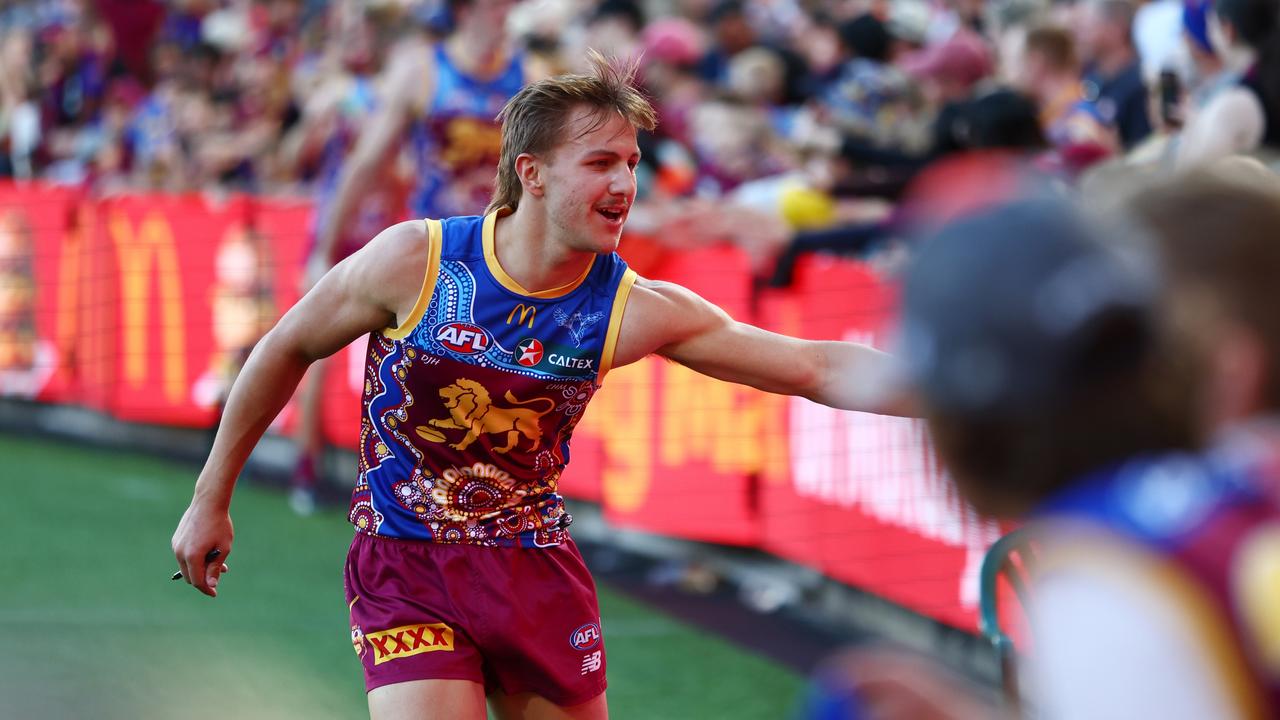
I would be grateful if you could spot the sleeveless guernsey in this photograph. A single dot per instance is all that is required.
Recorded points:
(468, 407)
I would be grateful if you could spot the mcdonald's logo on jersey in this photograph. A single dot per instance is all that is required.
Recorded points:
(526, 311)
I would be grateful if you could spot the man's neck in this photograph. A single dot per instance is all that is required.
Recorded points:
(529, 252)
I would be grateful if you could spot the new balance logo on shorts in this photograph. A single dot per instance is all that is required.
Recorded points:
(592, 662)
(409, 640)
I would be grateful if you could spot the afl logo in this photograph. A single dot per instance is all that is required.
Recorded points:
(585, 637)
(463, 338)
(529, 352)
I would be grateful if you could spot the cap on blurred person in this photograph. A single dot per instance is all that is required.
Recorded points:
(962, 58)
(909, 21)
(1010, 308)
(1195, 23)
(673, 40)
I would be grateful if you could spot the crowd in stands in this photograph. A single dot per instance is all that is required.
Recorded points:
(807, 118)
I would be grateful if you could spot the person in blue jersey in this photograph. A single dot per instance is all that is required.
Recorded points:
(488, 336)
(436, 104)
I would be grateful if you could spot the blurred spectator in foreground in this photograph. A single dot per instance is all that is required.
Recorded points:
(1216, 230)
(1063, 389)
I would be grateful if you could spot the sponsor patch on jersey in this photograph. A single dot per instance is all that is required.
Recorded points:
(552, 358)
(585, 637)
(529, 352)
(463, 338)
(409, 640)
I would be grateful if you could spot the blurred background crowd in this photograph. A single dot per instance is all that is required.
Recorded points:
(809, 118)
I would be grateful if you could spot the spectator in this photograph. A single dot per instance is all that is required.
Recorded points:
(1241, 117)
(1112, 70)
(1049, 72)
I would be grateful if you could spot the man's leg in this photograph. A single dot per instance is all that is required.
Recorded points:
(528, 706)
(428, 699)
(309, 438)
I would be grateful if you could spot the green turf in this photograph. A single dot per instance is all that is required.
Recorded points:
(92, 627)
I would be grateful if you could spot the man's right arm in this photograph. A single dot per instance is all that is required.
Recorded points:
(364, 293)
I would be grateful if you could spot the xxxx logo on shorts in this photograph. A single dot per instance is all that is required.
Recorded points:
(409, 640)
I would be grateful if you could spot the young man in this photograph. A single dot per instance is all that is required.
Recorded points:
(443, 97)
(488, 336)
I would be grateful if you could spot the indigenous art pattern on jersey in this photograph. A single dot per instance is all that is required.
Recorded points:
(467, 418)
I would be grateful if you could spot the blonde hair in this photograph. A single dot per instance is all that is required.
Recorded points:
(534, 120)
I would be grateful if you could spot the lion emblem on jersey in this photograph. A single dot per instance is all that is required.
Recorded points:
(471, 409)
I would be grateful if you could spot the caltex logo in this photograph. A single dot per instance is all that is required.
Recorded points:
(463, 338)
(529, 352)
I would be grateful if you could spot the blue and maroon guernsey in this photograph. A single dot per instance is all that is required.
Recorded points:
(468, 406)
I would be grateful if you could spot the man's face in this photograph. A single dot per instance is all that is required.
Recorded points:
(589, 180)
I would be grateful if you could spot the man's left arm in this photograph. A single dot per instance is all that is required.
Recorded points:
(676, 323)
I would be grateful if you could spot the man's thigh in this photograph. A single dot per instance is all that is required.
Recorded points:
(528, 706)
(426, 699)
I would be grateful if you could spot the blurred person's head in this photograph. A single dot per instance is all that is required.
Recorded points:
(999, 120)
(731, 27)
(1048, 58)
(569, 145)
(1216, 230)
(818, 42)
(481, 22)
(908, 24)
(1104, 30)
(166, 60)
(866, 37)
(758, 76)
(1033, 337)
(949, 70)
(1243, 28)
(615, 25)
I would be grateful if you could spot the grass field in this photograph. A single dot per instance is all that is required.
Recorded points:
(92, 627)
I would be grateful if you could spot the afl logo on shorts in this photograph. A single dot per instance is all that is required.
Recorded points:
(585, 637)
(529, 352)
(463, 338)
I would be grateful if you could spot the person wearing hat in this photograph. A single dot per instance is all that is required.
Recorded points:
(1057, 391)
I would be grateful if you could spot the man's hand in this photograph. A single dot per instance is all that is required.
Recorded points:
(202, 529)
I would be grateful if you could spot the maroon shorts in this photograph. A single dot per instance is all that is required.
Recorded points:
(515, 619)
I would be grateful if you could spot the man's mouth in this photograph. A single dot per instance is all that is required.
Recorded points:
(612, 214)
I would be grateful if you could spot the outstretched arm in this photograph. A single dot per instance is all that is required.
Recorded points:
(364, 293)
(676, 323)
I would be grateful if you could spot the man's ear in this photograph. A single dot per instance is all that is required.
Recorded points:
(529, 170)
(1239, 376)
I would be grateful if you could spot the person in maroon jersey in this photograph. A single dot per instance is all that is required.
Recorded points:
(487, 337)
